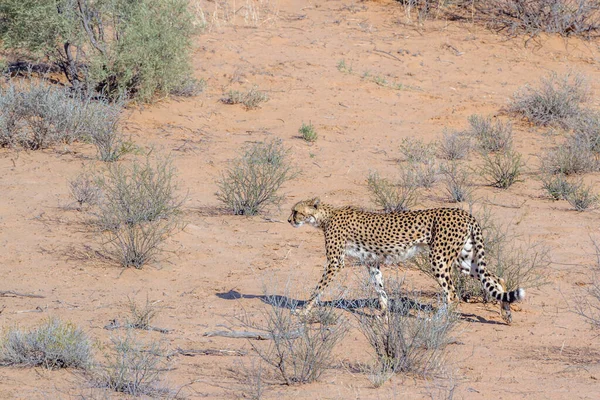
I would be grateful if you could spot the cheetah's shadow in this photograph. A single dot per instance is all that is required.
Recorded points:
(401, 304)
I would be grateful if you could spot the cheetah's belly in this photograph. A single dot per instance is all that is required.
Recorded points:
(394, 255)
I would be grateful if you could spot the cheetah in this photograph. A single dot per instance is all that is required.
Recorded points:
(453, 236)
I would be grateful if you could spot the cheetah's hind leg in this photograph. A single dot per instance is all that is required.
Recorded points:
(377, 280)
(505, 311)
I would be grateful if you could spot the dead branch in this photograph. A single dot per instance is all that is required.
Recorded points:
(251, 335)
(8, 293)
(210, 352)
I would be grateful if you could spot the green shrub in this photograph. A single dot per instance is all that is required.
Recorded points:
(308, 132)
(252, 181)
(502, 169)
(54, 344)
(454, 146)
(582, 198)
(557, 186)
(138, 48)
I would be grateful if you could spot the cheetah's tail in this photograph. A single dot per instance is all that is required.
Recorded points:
(515, 295)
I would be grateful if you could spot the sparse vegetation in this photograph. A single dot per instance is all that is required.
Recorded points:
(308, 132)
(457, 182)
(139, 210)
(582, 197)
(502, 170)
(424, 175)
(490, 136)
(411, 340)
(557, 186)
(36, 115)
(393, 197)
(588, 304)
(54, 344)
(85, 189)
(574, 157)
(532, 17)
(454, 146)
(415, 150)
(252, 181)
(141, 316)
(250, 99)
(117, 48)
(556, 102)
(134, 368)
(300, 351)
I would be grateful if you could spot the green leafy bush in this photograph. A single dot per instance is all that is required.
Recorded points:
(139, 48)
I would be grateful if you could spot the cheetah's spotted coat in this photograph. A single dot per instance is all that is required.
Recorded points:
(452, 235)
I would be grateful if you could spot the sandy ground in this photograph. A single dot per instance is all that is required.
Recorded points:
(220, 263)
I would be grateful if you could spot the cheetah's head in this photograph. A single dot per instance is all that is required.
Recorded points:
(306, 211)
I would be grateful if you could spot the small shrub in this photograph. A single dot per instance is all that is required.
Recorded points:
(139, 210)
(454, 146)
(410, 340)
(251, 99)
(581, 197)
(556, 102)
(308, 132)
(300, 351)
(189, 88)
(104, 130)
(415, 150)
(85, 189)
(458, 182)
(557, 186)
(424, 175)
(251, 183)
(574, 157)
(393, 197)
(490, 136)
(141, 315)
(134, 368)
(53, 345)
(502, 169)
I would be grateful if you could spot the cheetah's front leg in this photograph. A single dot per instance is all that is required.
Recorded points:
(333, 267)
(377, 280)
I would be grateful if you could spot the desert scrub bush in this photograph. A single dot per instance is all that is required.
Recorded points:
(582, 197)
(457, 182)
(532, 17)
(299, 350)
(252, 181)
(139, 209)
(556, 186)
(35, 114)
(586, 130)
(490, 136)
(501, 170)
(573, 157)
(308, 132)
(133, 367)
(454, 146)
(54, 344)
(140, 49)
(415, 150)
(250, 99)
(411, 340)
(556, 102)
(393, 197)
(85, 189)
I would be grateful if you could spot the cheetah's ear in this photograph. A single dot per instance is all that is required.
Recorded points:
(315, 202)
